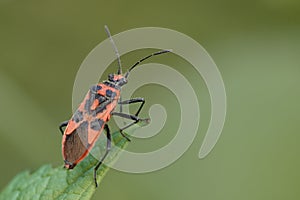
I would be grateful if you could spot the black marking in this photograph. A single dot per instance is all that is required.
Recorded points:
(102, 106)
(111, 84)
(83, 125)
(100, 98)
(94, 114)
(108, 92)
(111, 77)
(78, 116)
(89, 102)
(92, 97)
(95, 88)
(99, 87)
(113, 95)
(96, 124)
(87, 105)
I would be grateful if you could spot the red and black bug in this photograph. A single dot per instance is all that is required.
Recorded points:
(92, 115)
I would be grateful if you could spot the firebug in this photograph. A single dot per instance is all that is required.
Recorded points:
(92, 115)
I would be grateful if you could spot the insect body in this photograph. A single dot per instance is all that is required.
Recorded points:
(92, 115)
(87, 122)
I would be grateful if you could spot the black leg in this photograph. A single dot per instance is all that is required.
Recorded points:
(121, 105)
(120, 100)
(128, 116)
(63, 124)
(108, 147)
(135, 100)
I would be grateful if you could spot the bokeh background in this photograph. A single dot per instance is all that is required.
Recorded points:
(255, 44)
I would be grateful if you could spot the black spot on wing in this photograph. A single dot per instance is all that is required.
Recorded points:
(100, 98)
(96, 124)
(78, 116)
(87, 105)
(95, 88)
(89, 102)
(110, 93)
(102, 106)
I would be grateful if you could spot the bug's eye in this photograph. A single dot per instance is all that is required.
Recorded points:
(111, 77)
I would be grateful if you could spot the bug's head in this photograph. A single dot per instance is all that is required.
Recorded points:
(118, 79)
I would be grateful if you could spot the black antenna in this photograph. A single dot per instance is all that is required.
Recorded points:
(145, 58)
(115, 49)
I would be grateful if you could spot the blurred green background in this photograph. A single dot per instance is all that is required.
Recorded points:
(255, 44)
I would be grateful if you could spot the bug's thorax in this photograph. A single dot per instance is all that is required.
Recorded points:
(91, 117)
(117, 79)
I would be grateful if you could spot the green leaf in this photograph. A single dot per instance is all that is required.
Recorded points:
(59, 183)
